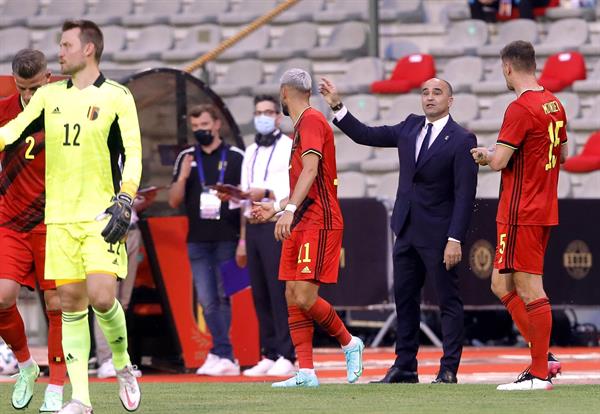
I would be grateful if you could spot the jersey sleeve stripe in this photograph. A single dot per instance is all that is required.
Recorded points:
(506, 144)
(180, 157)
(236, 149)
(313, 151)
(115, 84)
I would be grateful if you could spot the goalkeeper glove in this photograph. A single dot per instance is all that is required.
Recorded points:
(120, 218)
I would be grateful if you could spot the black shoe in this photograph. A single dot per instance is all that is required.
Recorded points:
(445, 377)
(395, 376)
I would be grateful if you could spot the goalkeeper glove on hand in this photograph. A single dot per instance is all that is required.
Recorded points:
(120, 218)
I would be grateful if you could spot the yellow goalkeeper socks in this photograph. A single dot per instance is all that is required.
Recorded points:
(76, 347)
(114, 327)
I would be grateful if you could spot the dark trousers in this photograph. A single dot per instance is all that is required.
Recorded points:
(488, 13)
(411, 264)
(268, 292)
(206, 259)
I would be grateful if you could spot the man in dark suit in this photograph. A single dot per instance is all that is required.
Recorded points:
(433, 207)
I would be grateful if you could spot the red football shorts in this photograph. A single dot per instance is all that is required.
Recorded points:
(312, 255)
(521, 248)
(22, 257)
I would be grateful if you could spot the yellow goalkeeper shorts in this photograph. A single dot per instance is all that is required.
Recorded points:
(76, 250)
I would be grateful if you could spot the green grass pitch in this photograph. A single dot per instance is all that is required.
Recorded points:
(175, 398)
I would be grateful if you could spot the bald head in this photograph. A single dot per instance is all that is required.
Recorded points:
(436, 98)
(440, 84)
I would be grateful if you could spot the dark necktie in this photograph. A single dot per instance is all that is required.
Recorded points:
(425, 145)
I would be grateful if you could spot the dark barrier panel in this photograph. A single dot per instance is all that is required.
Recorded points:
(570, 277)
(364, 263)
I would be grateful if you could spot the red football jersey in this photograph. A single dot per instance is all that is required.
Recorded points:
(320, 209)
(535, 126)
(22, 195)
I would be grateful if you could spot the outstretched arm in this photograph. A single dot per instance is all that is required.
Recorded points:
(383, 136)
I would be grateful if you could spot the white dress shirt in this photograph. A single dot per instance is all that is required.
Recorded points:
(435, 131)
(268, 168)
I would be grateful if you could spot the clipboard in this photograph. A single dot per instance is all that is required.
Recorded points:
(150, 189)
(229, 189)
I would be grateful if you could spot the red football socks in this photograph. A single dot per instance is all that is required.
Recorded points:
(12, 330)
(540, 328)
(56, 359)
(324, 314)
(301, 331)
(516, 308)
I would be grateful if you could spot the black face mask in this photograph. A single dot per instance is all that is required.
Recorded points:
(204, 137)
(266, 140)
(284, 109)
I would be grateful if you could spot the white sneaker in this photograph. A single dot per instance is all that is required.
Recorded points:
(75, 407)
(129, 390)
(282, 368)
(224, 367)
(260, 369)
(210, 361)
(106, 370)
(526, 382)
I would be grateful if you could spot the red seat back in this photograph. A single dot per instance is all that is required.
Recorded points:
(410, 72)
(561, 70)
(589, 159)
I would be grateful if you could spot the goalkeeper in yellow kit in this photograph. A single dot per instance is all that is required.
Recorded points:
(91, 128)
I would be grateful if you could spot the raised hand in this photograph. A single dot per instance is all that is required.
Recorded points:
(329, 92)
(186, 166)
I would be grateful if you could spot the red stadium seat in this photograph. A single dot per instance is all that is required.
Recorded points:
(410, 72)
(561, 70)
(589, 159)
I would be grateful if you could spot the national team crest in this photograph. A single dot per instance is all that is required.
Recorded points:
(93, 112)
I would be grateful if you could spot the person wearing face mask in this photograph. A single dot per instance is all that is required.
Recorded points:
(214, 227)
(265, 177)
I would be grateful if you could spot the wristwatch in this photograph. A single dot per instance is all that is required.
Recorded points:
(337, 107)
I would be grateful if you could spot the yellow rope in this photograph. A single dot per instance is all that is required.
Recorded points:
(225, 44)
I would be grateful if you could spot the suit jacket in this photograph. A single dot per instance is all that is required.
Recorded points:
(435, 198)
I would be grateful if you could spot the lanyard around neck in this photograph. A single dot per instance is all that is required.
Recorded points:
(222, 165)
(268, 162)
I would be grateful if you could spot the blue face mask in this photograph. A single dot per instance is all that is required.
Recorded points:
(264, 124)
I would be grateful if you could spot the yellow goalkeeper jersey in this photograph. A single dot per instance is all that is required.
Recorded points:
(90, 134)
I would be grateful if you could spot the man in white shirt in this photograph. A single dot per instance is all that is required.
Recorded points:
(265, 176)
